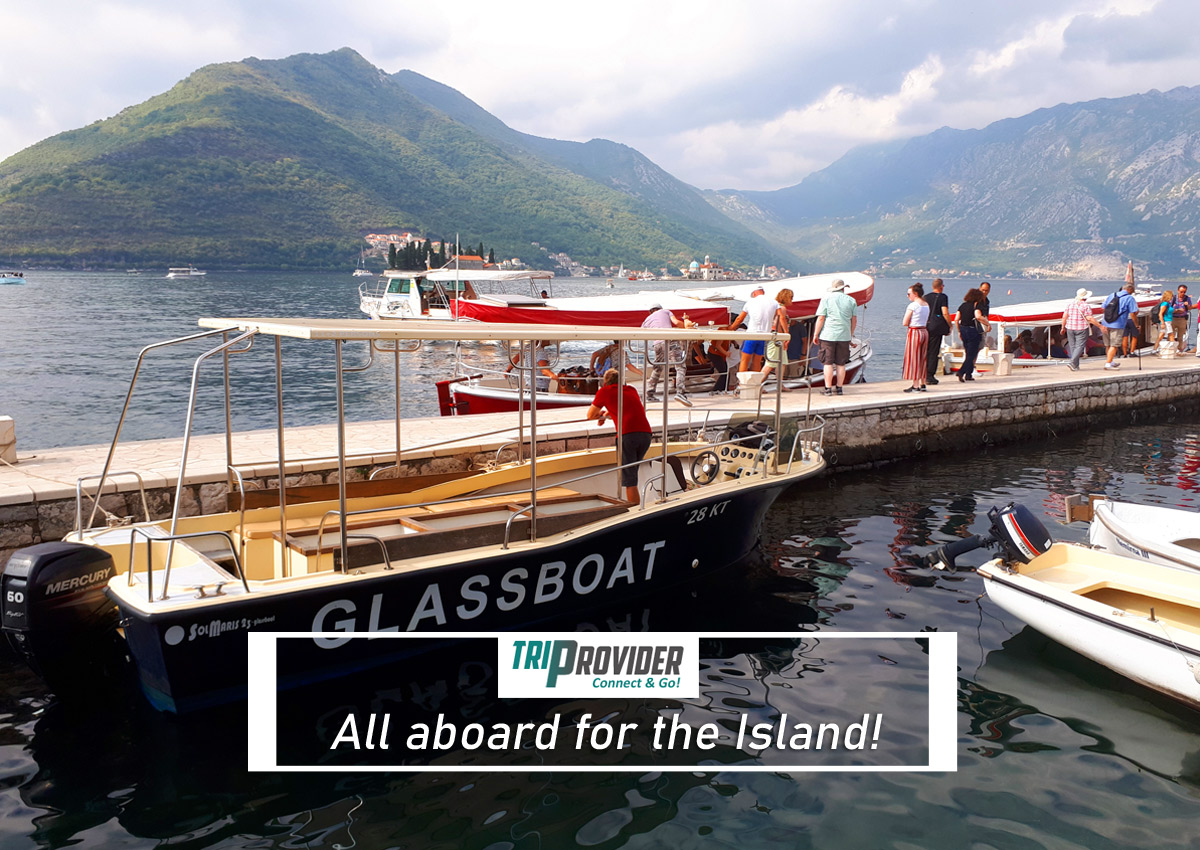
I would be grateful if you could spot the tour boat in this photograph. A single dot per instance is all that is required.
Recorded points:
(702, 305)
(1043, 319)
(1137, 618)
(476, 388)
(441, 293)
(12, 278)
(531, 534)
(185, 271)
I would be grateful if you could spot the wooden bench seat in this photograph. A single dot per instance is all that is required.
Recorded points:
(309, 524)
(481, 525)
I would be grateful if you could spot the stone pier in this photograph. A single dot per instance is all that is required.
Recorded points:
(872, 423)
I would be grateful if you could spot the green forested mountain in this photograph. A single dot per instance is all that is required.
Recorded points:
(287, 163)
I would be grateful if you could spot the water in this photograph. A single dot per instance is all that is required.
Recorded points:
(1053, 750)
(70, 341)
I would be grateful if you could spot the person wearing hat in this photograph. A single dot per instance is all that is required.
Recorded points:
(1075, 321)
(667, 353)
(835, 326)
(758, 313)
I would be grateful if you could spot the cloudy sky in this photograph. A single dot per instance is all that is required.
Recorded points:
(748, 95)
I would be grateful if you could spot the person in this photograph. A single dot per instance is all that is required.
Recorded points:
(1114, 331)
(535, 353)
(1180, 314)
(985, 306)
(718, 356)
(604, 358)
(916, 346)
(836, 320)
(1025, 349)
(777, 353)
(1165, 313)
(667, 353)
(1058, 345)
(757, 313)
(937, 326)
(545, 294)
(1075, 321)
(1129, 336)
(972, 325)
(633, 431)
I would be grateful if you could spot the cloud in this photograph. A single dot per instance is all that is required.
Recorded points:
(743, 95)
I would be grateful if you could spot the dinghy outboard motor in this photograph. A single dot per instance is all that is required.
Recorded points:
(1015, 529)
(56, 614)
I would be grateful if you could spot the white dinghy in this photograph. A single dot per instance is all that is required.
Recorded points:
(1154, 533)
(1140, 619)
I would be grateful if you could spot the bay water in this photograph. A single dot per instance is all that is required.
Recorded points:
(1053, 750)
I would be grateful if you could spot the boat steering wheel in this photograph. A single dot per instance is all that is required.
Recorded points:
(705, 467)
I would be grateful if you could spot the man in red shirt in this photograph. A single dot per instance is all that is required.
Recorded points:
(633, 430)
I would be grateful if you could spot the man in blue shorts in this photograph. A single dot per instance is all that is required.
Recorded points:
(757, 313)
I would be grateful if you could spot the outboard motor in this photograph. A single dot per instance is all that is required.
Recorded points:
(56, 614)
(1014, 528)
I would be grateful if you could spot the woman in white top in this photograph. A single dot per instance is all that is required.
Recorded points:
(917, 343)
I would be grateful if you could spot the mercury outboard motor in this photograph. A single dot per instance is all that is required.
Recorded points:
(56, 614)
(1015, 529)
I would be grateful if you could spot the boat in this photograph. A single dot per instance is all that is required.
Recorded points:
(1155, 533)
(12, 278)
(476, 388)
(479, 388)
(185, 271)
(361, 270)
(1140, 619)
(442, 293)
(1043, 319)
(703, 305)
(538, 533)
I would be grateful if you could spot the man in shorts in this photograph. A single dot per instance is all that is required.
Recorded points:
(835, 326)
(757, 313)
(1114, 331)
(633, 431)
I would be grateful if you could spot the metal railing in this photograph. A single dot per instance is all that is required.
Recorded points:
(79, 529)
(761, 456)
(171, 539)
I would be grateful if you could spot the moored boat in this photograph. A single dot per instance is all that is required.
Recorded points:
(501, 546)
(1154, 533)
(1137, 618)
(1042, 320)
(440, 294)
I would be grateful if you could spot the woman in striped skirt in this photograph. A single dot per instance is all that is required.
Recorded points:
(917, 344)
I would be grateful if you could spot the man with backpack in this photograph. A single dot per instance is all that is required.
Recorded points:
(1119, 308)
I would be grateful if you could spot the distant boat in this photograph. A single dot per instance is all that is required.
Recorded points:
(11, 278)
(185, 271)
(362, 270)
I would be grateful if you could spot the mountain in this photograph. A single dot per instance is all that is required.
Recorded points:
(1073, 190)
(287, 163)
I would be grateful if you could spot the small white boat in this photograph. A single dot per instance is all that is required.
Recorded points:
(1137, 618)
(443, 293)
(12, 278)
(1161, 535)
(184, 271)
(361, 270)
